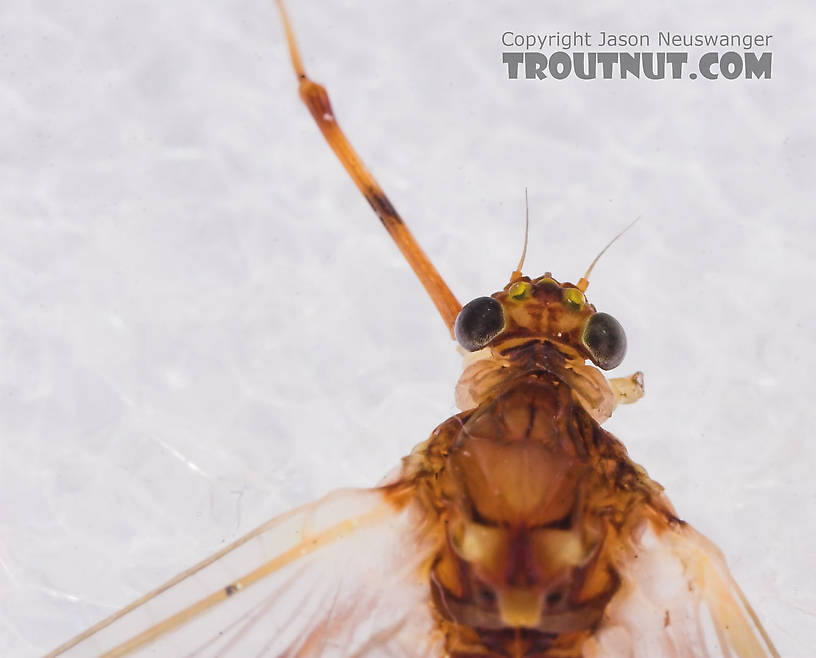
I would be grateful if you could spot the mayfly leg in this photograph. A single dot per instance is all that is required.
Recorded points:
(627, 390)
(317, 100)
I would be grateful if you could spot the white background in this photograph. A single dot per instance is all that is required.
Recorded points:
(202, 324)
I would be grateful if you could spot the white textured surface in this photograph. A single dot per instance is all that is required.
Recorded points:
(202, 324)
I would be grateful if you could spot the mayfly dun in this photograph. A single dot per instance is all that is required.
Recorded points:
(519, 528)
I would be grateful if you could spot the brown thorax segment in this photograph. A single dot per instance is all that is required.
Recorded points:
(533, 496)
(493, 369)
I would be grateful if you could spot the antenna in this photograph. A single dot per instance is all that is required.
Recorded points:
(583, 282)
(516, 275)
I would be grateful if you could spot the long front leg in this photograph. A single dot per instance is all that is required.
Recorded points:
(317, 100)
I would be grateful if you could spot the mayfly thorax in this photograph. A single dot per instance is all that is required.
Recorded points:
(520, 528)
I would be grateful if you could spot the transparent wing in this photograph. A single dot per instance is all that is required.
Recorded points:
(341, 576)
(678, 599)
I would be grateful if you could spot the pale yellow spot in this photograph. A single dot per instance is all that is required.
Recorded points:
(480, 543)
(520, 607)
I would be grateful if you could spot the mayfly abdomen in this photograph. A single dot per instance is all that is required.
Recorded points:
(532, 518)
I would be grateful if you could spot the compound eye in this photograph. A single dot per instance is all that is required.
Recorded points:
(605, 339)
(479, 322)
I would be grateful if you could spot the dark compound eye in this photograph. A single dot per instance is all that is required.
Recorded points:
(606, 341)
(479, 322)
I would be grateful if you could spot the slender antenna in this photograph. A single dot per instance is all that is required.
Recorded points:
(516, 275)
(583, 282)
(316, 100)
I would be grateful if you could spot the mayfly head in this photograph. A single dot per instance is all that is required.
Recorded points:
(541, 310)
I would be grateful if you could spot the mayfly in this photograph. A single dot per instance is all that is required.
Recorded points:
(520, 528)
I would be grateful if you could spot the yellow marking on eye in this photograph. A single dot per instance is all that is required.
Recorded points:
(573, 298)
(519, 290)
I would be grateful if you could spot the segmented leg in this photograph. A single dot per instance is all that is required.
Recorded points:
(317, 100)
